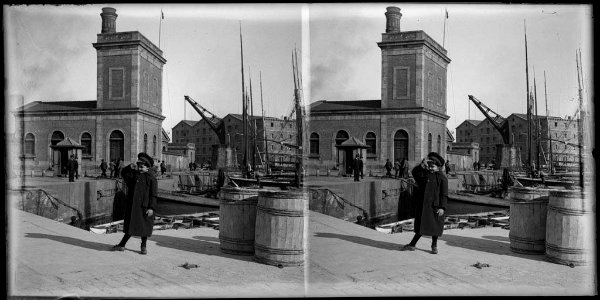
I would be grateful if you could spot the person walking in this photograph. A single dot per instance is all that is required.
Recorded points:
(431, 199)
(397, 168)
(76, 161)
(388, 168)
(140, 201)
(71, 168)
(447, 167)
(356, 167)
(103, 167)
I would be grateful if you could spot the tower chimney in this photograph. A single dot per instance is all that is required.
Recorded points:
(393, 16)
(109, 20)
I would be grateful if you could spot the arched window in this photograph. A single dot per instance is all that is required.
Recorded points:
(57, 137)
(314, 143)
(400, 145)
(86, 142)
(439, 144)
(429, 143)
(154, 146)
(341, 136)
(29, 144)
(145, 143)
(117, 145)
(371, 141)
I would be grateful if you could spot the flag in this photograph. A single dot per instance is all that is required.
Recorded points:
(446, 14)
(162, 15)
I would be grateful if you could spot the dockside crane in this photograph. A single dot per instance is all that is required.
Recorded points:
(213, 121)
(506, 158)
(499, 122)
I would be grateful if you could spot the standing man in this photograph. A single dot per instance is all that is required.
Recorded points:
(432, 197)
(118, 168)
(360, 167)
(356, 167)
(405, 167)
(388, 168)
(111, 168)
(397, 168)
(140, 201)
(103, 167)
(71, 168)
(163, 168)
(75, 159)
(447, 167)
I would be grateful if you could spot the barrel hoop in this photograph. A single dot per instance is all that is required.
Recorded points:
(248, 201)
(280, 212)
(526, 240)
(568, 211)
(560, 249)
(277, 251)
(267, 261)
(282, 195)
(539, 200)
(566, 261)
(236, 241)
(237, 252)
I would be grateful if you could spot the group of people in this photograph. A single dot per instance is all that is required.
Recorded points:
(357, 168)
(115, 167)
(400, 168)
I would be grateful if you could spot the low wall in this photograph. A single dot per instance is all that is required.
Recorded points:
(91, 201)
(379, 199)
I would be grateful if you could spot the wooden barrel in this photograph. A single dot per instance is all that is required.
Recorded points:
(569, 227)
(279, 237)
(237, 219)
(528, 207)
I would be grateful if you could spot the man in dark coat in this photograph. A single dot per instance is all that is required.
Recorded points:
(356, 166)
(388, 168)
(140, 201)
(72, 168)
(431, 199)
(103, 167)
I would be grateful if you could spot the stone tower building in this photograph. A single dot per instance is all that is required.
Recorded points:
(410, 119)
(125, 119)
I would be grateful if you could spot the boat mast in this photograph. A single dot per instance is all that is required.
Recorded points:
(252, 123)
(528, 106)
(266, 145)
(298, 108)
(244, 129)
(579, 120)
(537, 125)
(550, 169)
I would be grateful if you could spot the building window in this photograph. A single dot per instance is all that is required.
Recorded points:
(401, 145)
(340, 137)
(154, 145)
(29, 144)
(156, 95)
(401, 86)
(86, 142)
(57, 137)
(271, 124)
(116, 83)
(314, 144)
(145, 143)
(429, 143)
(371, 141)
(116, 145)
(439, 144)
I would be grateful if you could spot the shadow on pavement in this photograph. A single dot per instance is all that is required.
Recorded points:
(197, 244)
(493, 244)
(360, 240)
(71, 241)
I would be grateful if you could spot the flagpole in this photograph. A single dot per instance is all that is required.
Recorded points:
(162, 16)
(444, 39)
